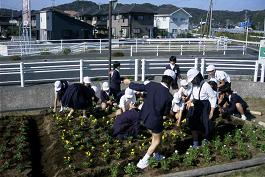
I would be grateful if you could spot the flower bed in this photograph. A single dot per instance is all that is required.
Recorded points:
(15, 157)
(90, 149)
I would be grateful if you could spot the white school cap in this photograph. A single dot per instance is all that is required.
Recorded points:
(183, 82)
(210, 68)
(105, 86)
(87, 80)
(170, 73)
(176, 98)
(191, 74)
(57, 86)
(214, 80)
(146, 82)
(129, 93)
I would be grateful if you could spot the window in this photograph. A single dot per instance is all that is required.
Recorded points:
(174, 30)
(140, 17)
(136, 30)
(175, 19)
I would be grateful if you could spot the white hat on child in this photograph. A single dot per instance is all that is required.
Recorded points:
(214, 80)
(129, 93)
(183, 82)
(87, 80)
(210, 68)
(57, 86)
(146, 82)
(170, 73)
(95, 89)
(191, 74)
(176, 98)
(105, 86)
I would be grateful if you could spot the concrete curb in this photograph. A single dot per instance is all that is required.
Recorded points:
(219, 168)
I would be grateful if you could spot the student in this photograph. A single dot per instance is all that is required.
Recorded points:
(204, 103)
(126, 101)
(232, 103)
(127, 124)
(157, 104)
(79, 97)
(179, 99)
(174, 67)
(115, 85)
(59, 88)
(106, 102)
(222, 77)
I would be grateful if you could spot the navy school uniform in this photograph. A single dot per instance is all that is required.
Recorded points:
(157, 104)
(61, 92)
(78, 96)
(203, 99)
(177, 72)
(235, 98)
(127, 124)
(115, 85)
(104, 96)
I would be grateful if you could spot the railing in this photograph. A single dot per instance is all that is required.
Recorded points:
(131, 45)
(40, 72)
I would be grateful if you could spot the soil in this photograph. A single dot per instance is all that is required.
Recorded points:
(48, 152)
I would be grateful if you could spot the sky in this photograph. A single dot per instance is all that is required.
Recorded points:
(232, 5)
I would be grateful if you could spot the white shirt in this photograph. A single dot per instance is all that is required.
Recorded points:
(125, 102)
(221, 75)
(207, 93)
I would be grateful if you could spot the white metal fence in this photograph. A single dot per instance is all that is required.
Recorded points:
(39, 72)
(130, 45)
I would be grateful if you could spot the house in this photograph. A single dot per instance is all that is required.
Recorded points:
(130, 21)
(171, 22)
(98, 19)
(53, 24)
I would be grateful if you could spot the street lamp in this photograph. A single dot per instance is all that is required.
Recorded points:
(111, 2)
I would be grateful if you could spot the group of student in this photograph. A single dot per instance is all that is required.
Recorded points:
(149, 103)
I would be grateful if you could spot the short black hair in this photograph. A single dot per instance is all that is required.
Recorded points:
(197, 79)
(173, 59)
(116, 64)
(167, 79)
(213, 84)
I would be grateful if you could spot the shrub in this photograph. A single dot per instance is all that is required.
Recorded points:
(66, 51)
(130, 169)
(15, 58)
(45, 52)
(118, 54)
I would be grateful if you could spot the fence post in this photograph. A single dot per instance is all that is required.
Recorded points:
(169, 45)
(202, 66)
(203, 52)
(81, 71)
(131, 50)
(136, 69)
(196, 63)
(61, 45)
(157, 50)
(224, 49)
(181, 48)
(256, 71)
(100, 46)
(143, 69)
(262, 73)
(244, 48)
(136, 46)
(22, 81)
(84, 46)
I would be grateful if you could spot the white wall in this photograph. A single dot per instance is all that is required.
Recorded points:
(179, 21)
(162, 22)
(43, 20)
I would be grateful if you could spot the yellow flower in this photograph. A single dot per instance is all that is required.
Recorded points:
(88, 153)
(67, 142)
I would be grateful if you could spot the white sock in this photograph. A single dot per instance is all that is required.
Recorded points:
(146, 157)
(243, 117)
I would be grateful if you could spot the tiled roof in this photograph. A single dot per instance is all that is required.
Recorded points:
(133, 8)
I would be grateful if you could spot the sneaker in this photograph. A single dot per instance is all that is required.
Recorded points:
(142, 164)
(158, 156)
(243, 117)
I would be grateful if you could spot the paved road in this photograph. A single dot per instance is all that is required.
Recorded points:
(98, 67)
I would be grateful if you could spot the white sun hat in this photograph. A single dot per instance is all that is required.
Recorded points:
(170, 73)
(214, 80)
(105, 86)
(210, 68)
(146, 82)
(183, 82)
(57, 86)
(87, 80)
(191, 74)
(95, 89)
(129, 93)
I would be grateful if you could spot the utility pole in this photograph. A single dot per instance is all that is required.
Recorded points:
(264, 27)
(246, 22)
(211, 16)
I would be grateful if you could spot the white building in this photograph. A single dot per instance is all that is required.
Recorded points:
(171, 22)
